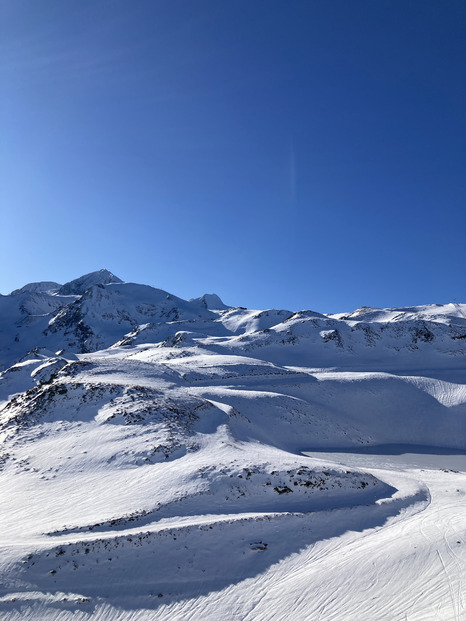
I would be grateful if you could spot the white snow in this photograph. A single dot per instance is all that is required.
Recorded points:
(188, 460)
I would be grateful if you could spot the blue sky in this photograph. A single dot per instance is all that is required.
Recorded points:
(298, 154)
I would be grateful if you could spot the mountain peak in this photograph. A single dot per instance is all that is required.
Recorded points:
(81, 284)
(38, 287)
(211, 301)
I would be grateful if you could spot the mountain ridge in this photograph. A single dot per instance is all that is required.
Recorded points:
(99, 310)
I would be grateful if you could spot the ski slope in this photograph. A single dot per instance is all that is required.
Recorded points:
(171, 459)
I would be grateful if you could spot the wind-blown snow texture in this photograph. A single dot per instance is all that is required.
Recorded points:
(154, 458)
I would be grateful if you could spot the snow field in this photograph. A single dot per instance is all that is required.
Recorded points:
(159, 459)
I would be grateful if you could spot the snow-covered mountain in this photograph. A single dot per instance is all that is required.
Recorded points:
(156, 456)
(98, 310)
(88, 314)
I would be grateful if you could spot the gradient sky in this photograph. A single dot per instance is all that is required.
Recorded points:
(288, 154)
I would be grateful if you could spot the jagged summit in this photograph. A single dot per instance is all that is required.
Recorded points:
(81, 284)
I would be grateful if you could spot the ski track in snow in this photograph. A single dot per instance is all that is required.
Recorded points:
(411, 566)
(394, 572)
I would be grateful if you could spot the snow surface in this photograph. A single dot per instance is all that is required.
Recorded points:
(172, 459)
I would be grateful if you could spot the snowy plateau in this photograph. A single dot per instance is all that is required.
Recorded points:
(187, 460)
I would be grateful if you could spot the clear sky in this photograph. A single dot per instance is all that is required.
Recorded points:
(289, 154)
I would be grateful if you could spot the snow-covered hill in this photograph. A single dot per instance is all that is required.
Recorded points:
(158, 457)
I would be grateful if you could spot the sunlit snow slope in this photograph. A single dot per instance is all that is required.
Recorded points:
(157, 458)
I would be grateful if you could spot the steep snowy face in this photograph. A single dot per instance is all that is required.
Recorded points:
(80, 285)
(105, 313)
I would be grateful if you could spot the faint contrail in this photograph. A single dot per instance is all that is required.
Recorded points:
(292, 171)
